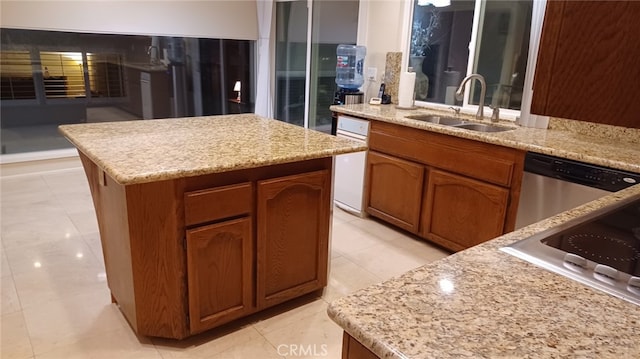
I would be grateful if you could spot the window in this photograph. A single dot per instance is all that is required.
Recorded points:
(63, 74)
(17, 78)
(444, 48)
(51, 78)
(105, 75)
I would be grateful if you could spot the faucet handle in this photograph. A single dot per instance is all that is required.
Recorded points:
(455, 109)
(495, 115)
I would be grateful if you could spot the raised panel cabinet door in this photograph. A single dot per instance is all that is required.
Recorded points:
(293, 233)
(220, 273)
(460, 212)
(587, 67)
(394, 190)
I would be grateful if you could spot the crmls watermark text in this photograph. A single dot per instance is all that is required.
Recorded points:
(299, 350)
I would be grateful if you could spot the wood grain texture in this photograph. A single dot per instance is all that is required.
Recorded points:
(156, 231)
(353, 349)
(220, 261)
(460, 212)
(400, 200)
(395, 190)
(475, 159)
(588, 65)
(293, 232)
(109, 201)
(143, 234)
(217, 203)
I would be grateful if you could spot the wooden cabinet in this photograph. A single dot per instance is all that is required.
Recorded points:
(587, 67)
(220, 272)
(452, 191)
(353, 349)
(293, 217)
(189, 254)
(220, 254)
(154, 92)
(460, 212)
(395, 190)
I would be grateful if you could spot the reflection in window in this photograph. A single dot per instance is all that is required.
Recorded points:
(502, 51)
(17, 78)
(63, 74)
(51, 78)
(439, 51)
(106, 77)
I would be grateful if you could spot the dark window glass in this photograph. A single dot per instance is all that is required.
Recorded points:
(51, 78)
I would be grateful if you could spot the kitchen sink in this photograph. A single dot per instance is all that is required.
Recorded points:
(480, 127)
(442, 120)
(455, 122)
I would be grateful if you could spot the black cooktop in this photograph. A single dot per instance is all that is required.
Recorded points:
(600, 249)
(612, 239)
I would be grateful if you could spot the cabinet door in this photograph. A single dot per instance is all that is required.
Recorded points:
(219, 271)
(587, 66)
(394, 189)
(293, 235)
(460, 212)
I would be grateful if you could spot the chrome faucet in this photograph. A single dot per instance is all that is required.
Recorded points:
(495, 115)
(483, 90)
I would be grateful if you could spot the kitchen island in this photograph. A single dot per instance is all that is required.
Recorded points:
(205, 220)
(484, 303)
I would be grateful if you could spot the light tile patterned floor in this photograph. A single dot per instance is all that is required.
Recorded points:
(56, 304)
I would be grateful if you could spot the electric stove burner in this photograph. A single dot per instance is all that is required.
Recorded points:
(602, 248)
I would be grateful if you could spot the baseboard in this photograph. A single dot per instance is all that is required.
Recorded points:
(26, 164)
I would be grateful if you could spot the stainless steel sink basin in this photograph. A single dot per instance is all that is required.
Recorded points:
(442, 120)
(458, 123)
(480, 127)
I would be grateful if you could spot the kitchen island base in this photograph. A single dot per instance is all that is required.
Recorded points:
(189, 254)
(353, 349)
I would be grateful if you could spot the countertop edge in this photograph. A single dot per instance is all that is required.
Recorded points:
(340, 316)
(496, 138)
(127, 175)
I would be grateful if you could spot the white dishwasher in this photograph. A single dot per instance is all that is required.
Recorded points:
(348, 186)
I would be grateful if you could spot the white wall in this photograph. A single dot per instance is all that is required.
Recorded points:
(381, 30)
(228, 19)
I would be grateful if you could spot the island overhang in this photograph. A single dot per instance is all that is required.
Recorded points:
(134, 152)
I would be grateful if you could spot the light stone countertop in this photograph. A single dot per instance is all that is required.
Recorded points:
(484, 303)
(145, 151)
(608, 146)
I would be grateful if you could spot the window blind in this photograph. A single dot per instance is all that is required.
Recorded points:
(17, 78)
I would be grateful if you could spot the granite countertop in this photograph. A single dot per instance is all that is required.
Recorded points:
(482, 302)
(145, 151)
(604, 145)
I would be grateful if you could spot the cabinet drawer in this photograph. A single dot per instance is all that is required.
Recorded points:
(479, 160)
(217, 203)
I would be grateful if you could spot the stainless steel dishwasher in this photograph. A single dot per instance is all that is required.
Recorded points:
(552, 185)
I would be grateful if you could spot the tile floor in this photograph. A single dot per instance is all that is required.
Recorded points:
(43, 137)
(56, 304)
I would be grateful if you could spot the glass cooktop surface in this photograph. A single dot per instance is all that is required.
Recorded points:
(612, 239)
(600, 249)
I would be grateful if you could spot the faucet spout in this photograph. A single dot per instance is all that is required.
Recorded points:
(483, 90)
